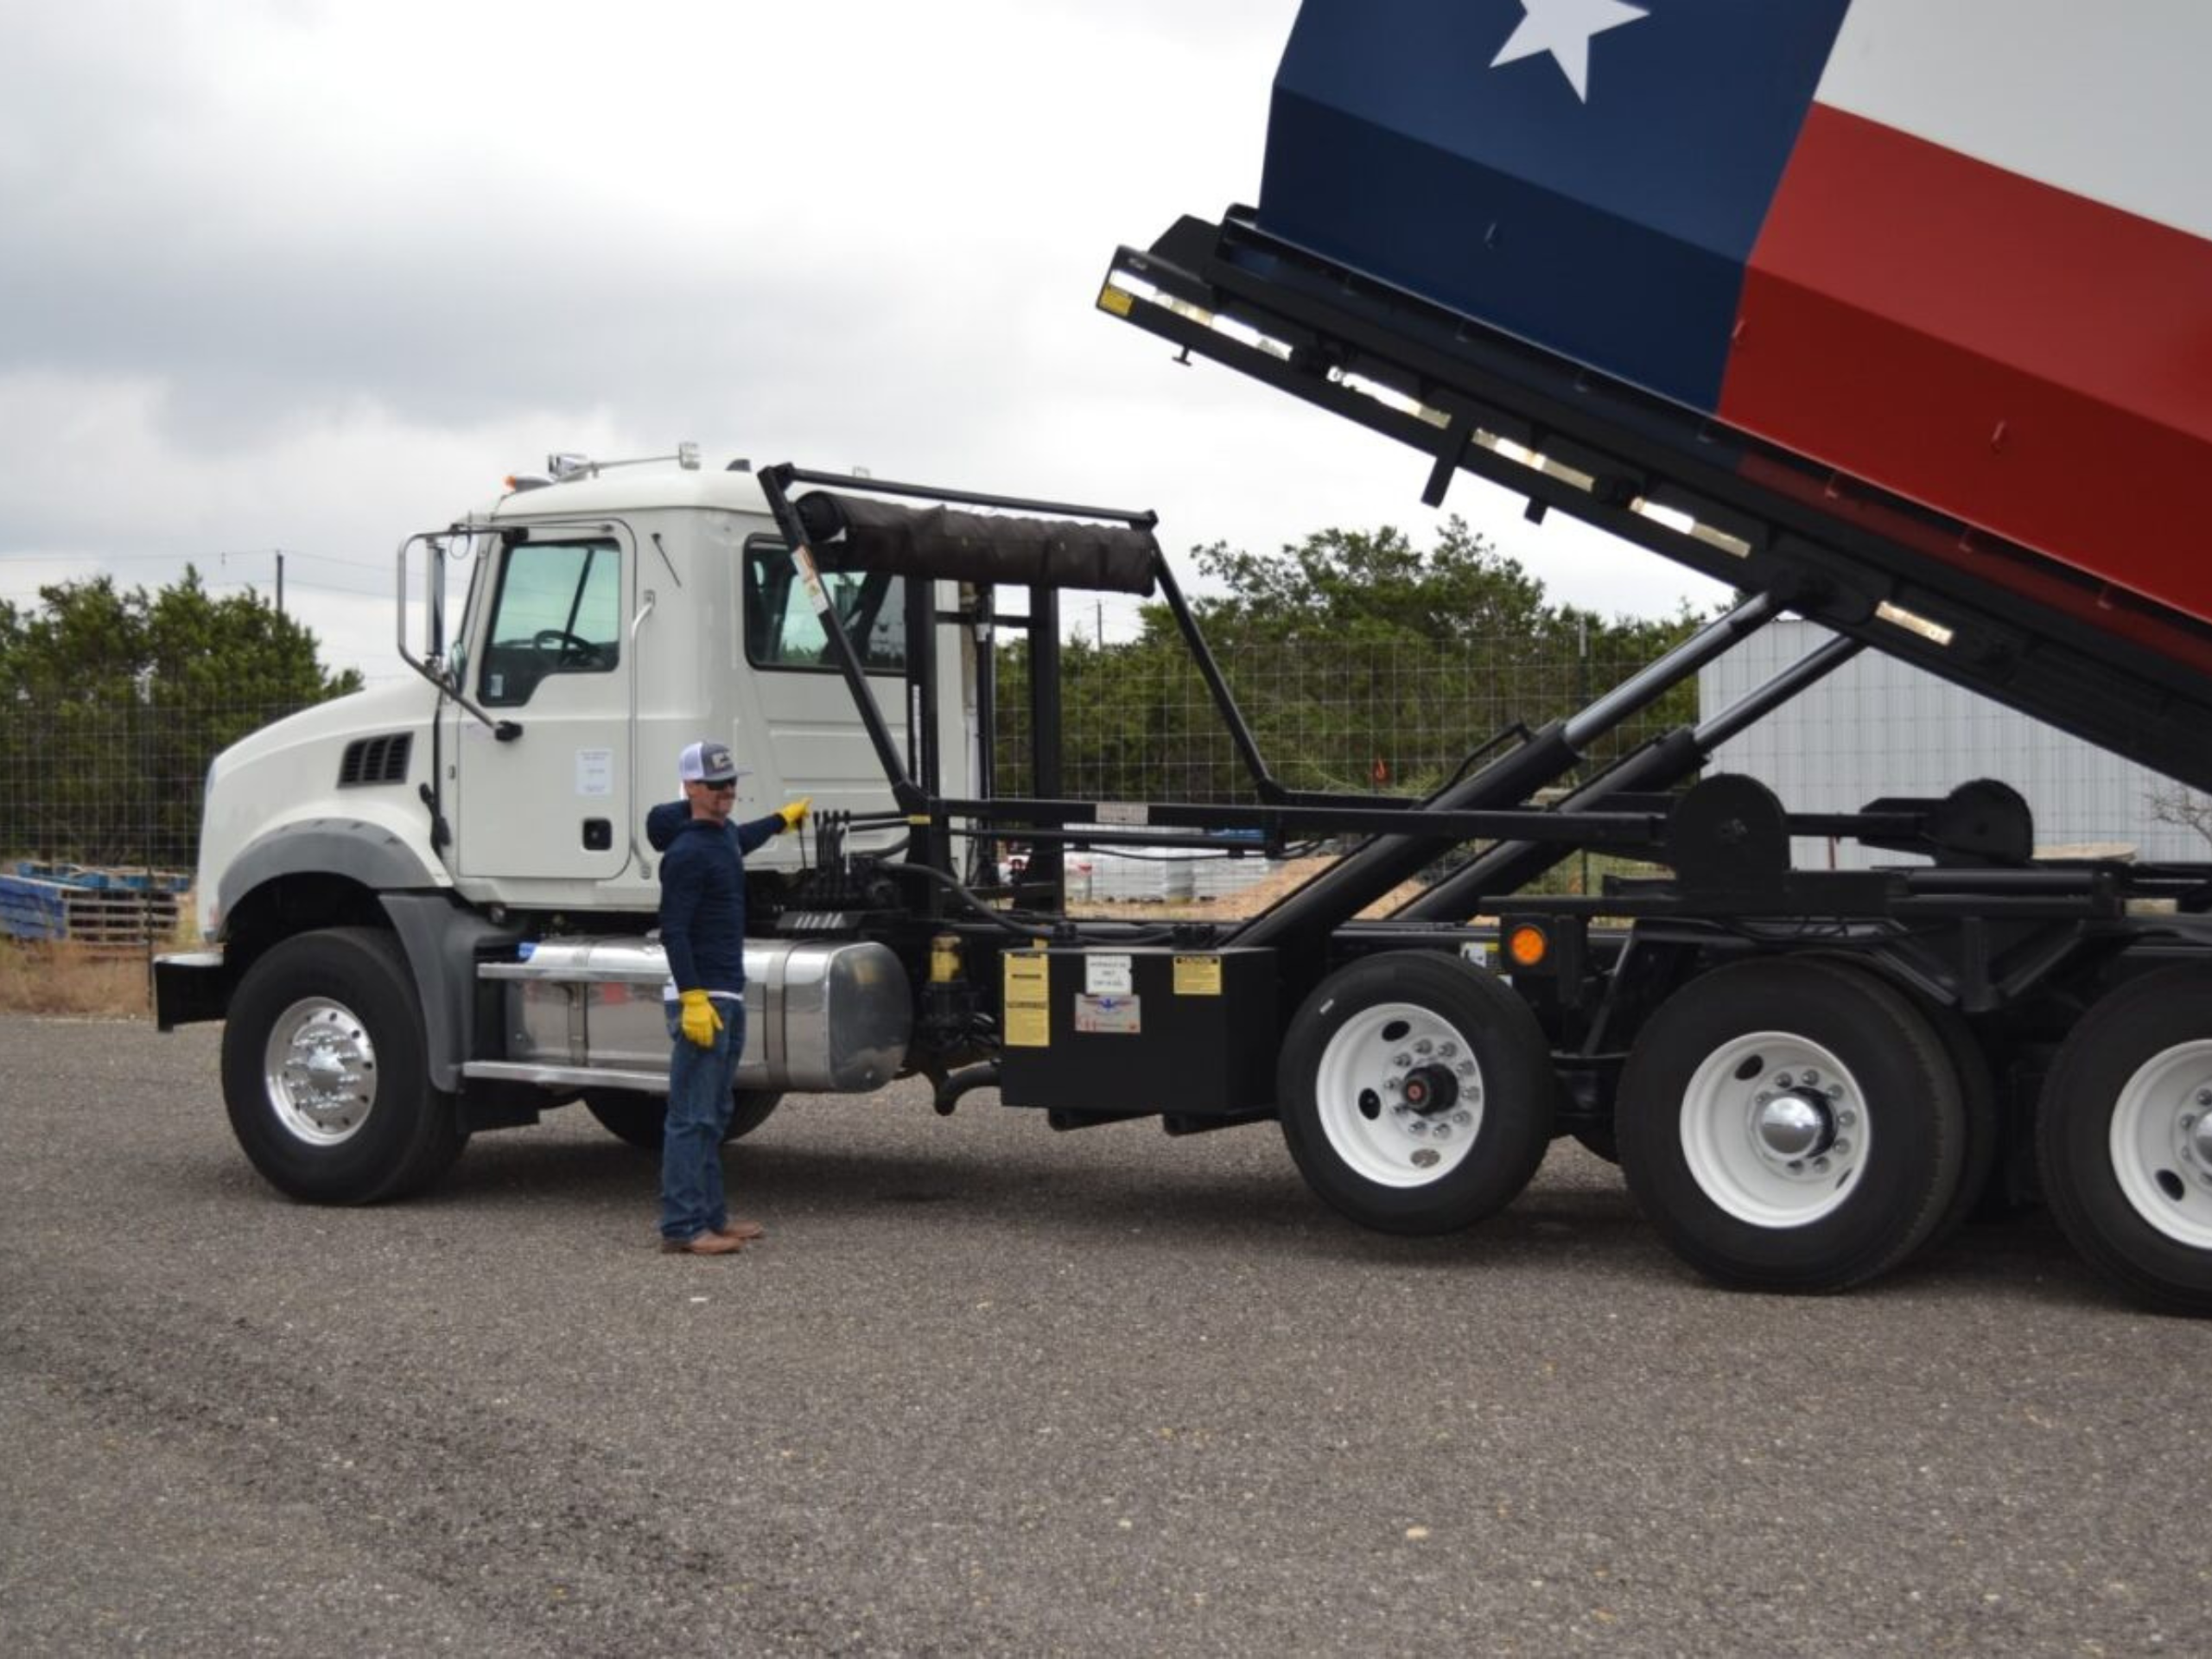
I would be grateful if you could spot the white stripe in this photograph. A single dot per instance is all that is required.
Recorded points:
(2107, 99)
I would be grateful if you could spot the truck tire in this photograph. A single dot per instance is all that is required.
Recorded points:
(1977, 1093)
(641, 1120)
(1791, 1125)
(1984, 1123)
(1416, 1093)
(2123, 1139)
(325, 1074)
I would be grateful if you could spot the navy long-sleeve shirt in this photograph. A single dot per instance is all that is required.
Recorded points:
(703, 894)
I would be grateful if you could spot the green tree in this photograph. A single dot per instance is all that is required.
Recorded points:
(117, 700)
(1342, 585)
(1361, 660)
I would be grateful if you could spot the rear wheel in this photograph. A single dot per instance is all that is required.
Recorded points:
(2124, 1137)
(1792, 1125)
(326, 1072)
(1416, 1093)
(641, 1121)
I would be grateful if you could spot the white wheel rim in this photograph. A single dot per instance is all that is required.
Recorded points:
(1381, 1062)
(2162, 1143)
(320, 1071)
(1748, 1094)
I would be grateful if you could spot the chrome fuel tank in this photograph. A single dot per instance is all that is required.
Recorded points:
(822, 1017)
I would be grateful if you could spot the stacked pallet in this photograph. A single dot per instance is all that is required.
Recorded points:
(110, 908)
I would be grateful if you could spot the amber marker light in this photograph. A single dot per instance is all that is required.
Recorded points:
(1526, 946)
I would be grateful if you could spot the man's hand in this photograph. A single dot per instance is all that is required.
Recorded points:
(700, 1023)
(794, 813)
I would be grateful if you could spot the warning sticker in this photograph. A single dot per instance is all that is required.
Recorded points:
(1198, 975)
(1119, 1015)
(1028, 1001)
(1108, 976)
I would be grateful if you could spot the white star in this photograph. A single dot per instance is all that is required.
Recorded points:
(1564, 28)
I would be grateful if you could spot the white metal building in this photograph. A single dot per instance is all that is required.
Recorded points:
(1881, 727)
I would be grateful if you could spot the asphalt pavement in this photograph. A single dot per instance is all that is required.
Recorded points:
(986, 1388)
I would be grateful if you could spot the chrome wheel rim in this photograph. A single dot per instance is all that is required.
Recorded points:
(2161, 1143)
(1775, 1129)
(320, 1071)
(1401, 1095)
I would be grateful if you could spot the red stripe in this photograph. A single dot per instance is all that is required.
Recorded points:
(2025, 359)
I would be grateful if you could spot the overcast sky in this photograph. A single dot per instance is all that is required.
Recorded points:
(310, 275)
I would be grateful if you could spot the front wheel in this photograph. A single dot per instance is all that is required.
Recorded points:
(326, 1072)
(1791, 1125)
(1416, 1093)
(2124, 1138)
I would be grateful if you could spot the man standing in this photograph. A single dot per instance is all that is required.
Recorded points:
(703, 928)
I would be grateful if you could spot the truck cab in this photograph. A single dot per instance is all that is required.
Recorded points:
(611, 615)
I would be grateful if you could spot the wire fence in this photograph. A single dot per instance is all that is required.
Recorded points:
(106, 797)
(1141, 724)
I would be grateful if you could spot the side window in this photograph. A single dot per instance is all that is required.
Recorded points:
(559, 611)
(782, 631)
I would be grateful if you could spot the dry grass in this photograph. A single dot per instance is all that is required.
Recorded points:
(77, 979)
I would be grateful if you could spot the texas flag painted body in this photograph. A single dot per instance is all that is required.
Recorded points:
(1962, 249)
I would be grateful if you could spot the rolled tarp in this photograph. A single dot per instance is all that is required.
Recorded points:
(850, 532)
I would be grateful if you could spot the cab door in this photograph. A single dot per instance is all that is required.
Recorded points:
(555, 659)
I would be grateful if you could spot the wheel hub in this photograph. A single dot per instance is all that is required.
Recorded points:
(1401, 1095)
(1431, 1090)
(2200, 1139)
(1775, 1128)
(1794, 1126)
(322, 1071)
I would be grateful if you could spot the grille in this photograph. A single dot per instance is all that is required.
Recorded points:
(375, 760)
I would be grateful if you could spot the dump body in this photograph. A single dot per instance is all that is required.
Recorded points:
(1959, 250)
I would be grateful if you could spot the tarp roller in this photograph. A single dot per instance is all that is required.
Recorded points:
(848, 533)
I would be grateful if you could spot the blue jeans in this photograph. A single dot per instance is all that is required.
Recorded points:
(699, 1102)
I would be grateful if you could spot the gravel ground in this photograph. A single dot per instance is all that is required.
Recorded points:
(989, 1389)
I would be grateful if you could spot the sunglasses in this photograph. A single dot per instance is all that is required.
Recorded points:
(726, 785)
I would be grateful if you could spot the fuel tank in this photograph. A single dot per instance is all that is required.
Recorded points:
(820, 1016)
(1960, 251)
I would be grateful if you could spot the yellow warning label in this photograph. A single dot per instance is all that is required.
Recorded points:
(1198, 975)
(1028, 1001)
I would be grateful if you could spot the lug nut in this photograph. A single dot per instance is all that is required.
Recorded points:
(1424, 1046)
(1846, 1119)
(1812, 1078)
(1463, 1119)
(1784, 1080)
(1446, 1051)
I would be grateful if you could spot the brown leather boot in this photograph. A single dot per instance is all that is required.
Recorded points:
(702, 1244)
(743, 1231)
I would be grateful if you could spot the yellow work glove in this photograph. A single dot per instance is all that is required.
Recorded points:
(700, 1023)
(794, 813)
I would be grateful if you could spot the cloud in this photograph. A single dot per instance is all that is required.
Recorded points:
(312, 275)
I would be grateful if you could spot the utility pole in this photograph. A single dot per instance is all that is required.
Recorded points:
(280, 582)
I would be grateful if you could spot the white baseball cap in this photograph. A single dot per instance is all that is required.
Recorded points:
(706, 763)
